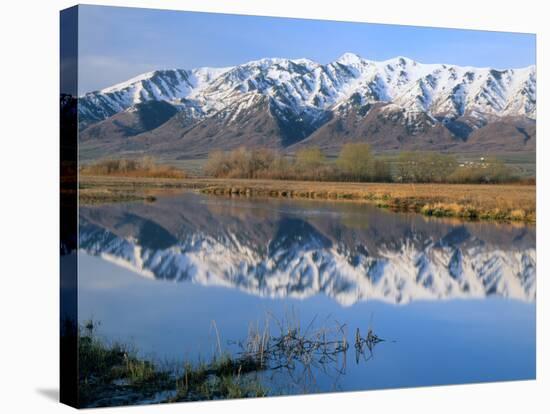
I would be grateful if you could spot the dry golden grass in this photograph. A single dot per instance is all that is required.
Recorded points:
(143, 167)
(512, 202)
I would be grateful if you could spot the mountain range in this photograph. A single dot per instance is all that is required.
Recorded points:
(286, 104)
(287, 250)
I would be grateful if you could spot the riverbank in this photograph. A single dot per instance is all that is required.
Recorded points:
(114, 374)
(503, 202)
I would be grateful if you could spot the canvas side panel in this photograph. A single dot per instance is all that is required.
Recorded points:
(69, 206)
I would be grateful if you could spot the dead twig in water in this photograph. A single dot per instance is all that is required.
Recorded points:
(301, 353)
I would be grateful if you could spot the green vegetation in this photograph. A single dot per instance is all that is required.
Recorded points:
(488, 171)
(143, 167)
(114, 374)
(356, 163)
(427, 167)
(225, 377)
(309, 160)
(429, 183)
(110, 371)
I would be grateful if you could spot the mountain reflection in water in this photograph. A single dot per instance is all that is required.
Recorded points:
(286, 248)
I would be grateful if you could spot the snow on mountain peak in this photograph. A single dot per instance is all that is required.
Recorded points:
(304, 85)
(349, 58)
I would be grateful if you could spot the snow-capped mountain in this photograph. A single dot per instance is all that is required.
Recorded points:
(306, 94)
(282, 254)
(161, 85)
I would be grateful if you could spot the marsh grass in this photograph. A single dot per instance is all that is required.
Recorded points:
(504, 202)
(115, 374)
(224, 377)
(114, 369)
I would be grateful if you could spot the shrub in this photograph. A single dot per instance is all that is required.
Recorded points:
(241, 163)
(217, 164)
(490, 171)
(309, 160)
(381, 171)
(356, 161)
(424, 167)
(143, 167)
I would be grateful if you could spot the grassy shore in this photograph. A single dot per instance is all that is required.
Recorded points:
(505, 202)
(113, 374)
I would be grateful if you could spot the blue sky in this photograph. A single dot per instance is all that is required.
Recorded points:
(118, 43)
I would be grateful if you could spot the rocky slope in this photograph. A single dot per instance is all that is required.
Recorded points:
(398, 103)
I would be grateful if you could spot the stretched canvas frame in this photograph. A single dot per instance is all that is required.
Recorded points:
(373, 198)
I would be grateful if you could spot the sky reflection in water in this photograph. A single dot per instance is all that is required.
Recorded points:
(454, 301)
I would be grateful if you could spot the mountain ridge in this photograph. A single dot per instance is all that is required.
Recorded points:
(290, 256)
(305, 95)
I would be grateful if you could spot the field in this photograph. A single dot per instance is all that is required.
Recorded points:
(522, 163)
(506, 202)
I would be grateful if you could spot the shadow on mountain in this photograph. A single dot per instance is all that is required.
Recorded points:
(279, 248)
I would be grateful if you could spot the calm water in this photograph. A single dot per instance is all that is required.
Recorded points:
(455, 302)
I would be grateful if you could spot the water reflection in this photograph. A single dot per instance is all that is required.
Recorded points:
(232, 261)
(276, 248)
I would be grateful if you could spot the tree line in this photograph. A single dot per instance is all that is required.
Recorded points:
(355, 163)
